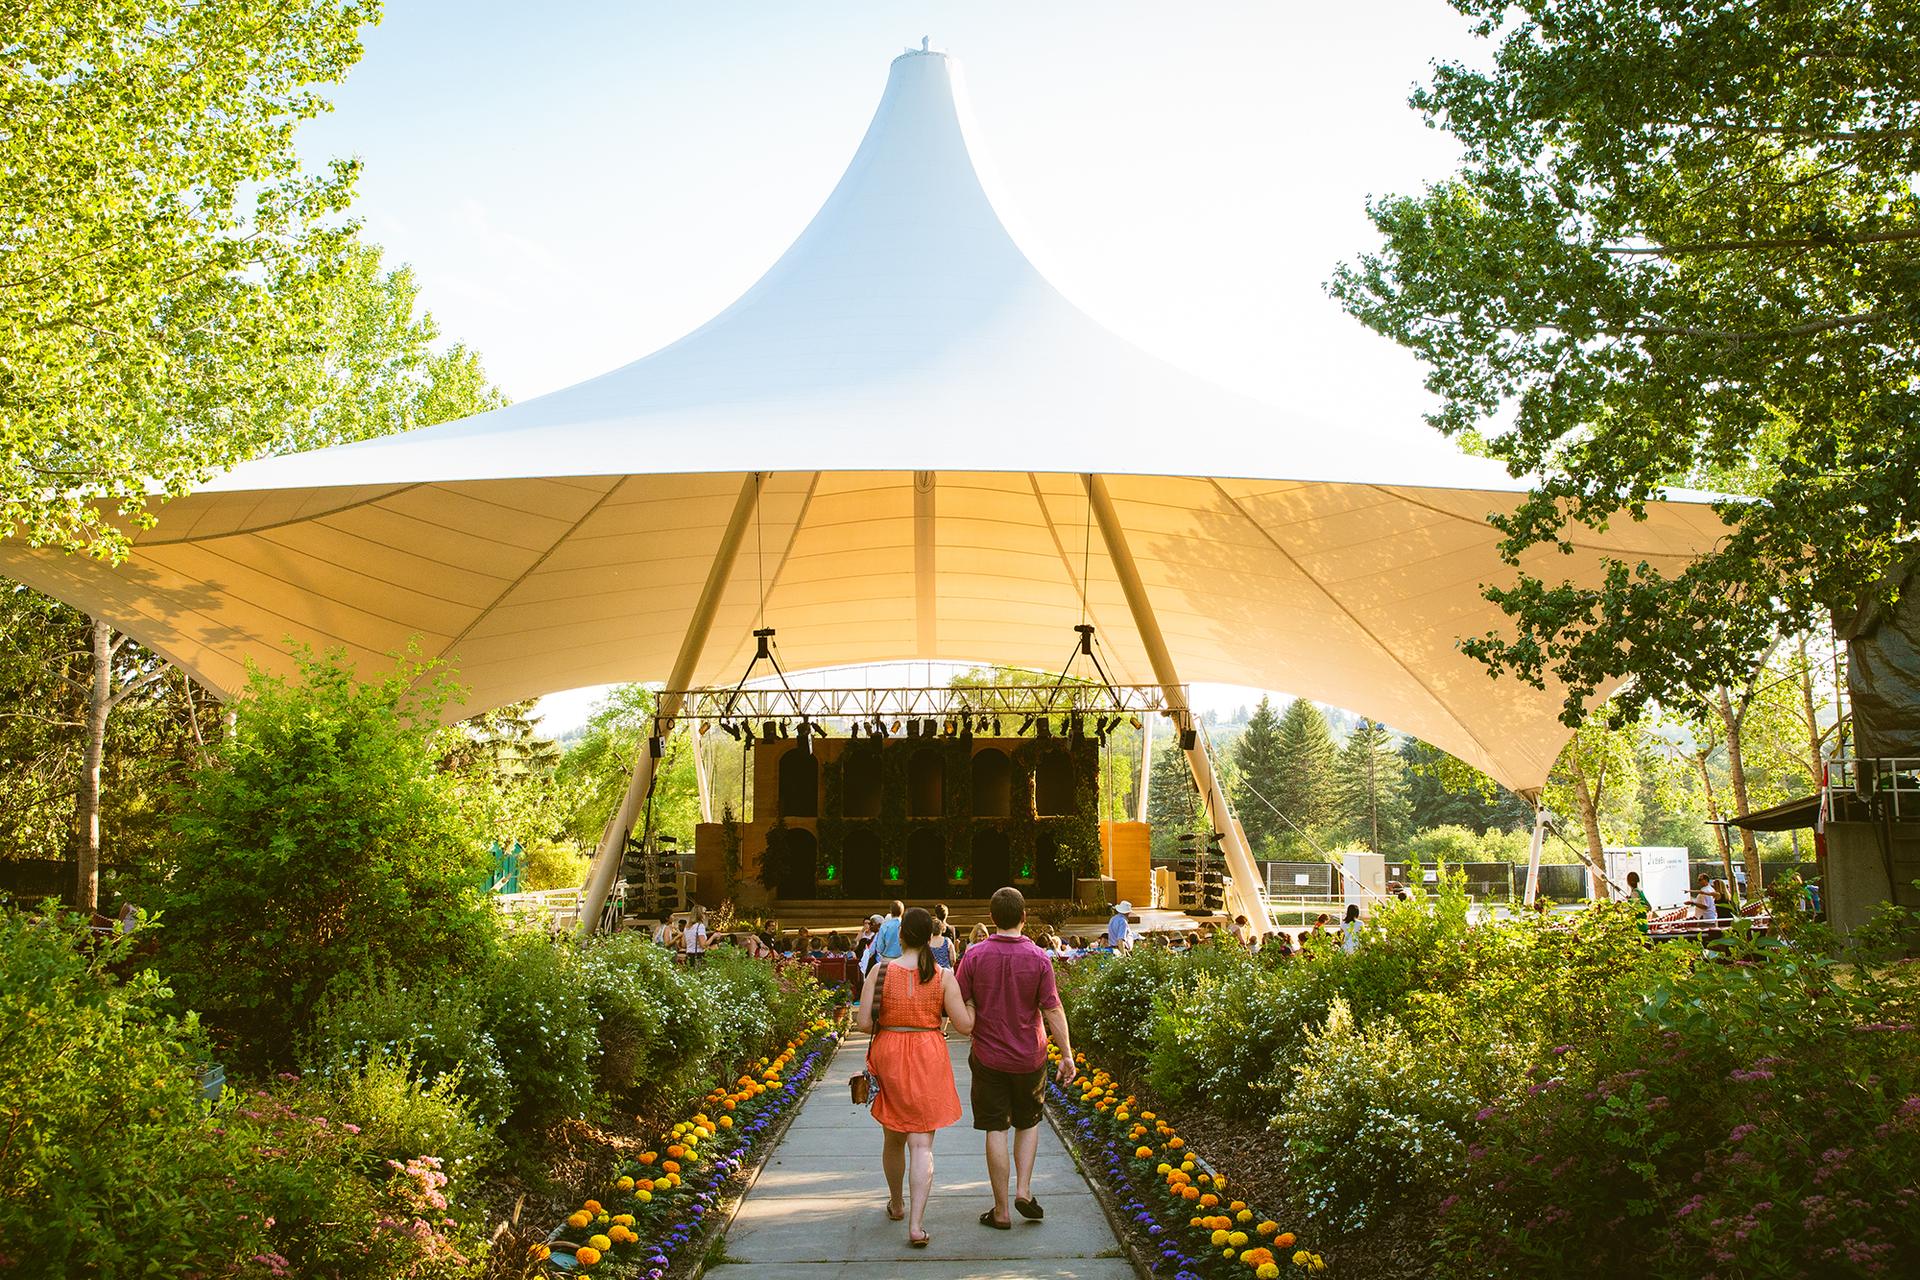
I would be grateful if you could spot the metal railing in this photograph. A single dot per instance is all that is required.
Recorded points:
(1893, 780)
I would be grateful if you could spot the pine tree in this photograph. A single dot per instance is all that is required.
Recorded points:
(1372, 788)
(1307, 790)
(1172, 806)
(1257, 758)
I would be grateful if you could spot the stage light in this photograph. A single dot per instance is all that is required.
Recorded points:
(731, 729)
(1025, 725)
(1134, 721)
(996, 726)
(855, 731)
(913, 728)
(766, 731)
(1189, 739)
(806, 738)
(747, 731)
(1045, 727)
(656, 747)
(895, 728)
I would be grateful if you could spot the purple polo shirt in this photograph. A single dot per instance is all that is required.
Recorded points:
(1008, 981)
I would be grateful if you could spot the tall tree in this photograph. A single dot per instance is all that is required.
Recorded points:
(1373, 788)
(164, 256)
(1257, 760)
(598, 764)
(1173, 806)
(1683, 246)
(1597, 780)
(1305, 790)
(1445, 791)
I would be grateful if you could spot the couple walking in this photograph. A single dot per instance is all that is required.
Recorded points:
(1003, 995)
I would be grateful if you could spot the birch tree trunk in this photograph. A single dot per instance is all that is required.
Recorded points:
(1737, 776)
(86, 887)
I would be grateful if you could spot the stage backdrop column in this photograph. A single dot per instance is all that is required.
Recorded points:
(1243, 874)
(606, 859)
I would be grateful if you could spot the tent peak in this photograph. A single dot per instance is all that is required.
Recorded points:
(923, 50)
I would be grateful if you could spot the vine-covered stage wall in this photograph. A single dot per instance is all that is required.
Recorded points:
(921, 817)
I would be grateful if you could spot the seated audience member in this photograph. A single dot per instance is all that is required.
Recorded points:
(1282, 944)
(837, 944)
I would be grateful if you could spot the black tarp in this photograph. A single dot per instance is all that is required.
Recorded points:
(1883, 670)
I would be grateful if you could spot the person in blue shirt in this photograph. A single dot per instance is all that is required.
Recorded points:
(886, 943)
(1117, 927)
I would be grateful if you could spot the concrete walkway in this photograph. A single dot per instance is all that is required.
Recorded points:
(818, 1211)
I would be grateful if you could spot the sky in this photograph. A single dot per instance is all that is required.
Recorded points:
(575, 185)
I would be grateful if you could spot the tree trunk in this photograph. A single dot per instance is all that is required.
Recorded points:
(1816, 772)
(1587, 800)
(1737, 775)
(86, 890)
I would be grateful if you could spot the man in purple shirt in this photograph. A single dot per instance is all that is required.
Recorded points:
(1009, 982)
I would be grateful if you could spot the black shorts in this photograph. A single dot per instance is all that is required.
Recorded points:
(1003, 1099)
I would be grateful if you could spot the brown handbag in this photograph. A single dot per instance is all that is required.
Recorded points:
(866, 1086)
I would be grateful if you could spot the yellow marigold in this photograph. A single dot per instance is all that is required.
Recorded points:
(673, 1179)
(661, 1184)
(1146, 1115)
(1315, 1263)
(624, 1219)
(1268, 1271)
(1220, 1181)
(1219, 1238)
(602, 1243)
(643, 1195)
(579, 1218)
(1238, 1239)
(726, 1122)
(1268, 1227)
(1237, 1205)
(586, 1255)
(1300, 1258)
(1163, 1168)
(1227, 1254)
(539, 1252)
(625, 1184)
(1243, 1213)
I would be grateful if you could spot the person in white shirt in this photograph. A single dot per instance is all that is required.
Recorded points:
(695, 940)
(1351, 927)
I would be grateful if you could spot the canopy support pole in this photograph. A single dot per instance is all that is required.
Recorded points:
(1533, 852)
(613, 842)
(701, 778)
(1242, 871)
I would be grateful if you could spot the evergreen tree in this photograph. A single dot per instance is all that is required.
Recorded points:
(1306, 790)
(1373, 806)
(1257, 758)
(1172, 806)
(1443, 791)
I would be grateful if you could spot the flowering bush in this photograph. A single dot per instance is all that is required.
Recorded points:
(1755, 1117)
(1178, 1203)
(661, 1200)
(437, 1027)
(1373, 1122)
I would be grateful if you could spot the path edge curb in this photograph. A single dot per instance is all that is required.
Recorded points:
(722, 1224)
(1102, 1195)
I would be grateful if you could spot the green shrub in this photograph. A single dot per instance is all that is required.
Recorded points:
(1373, 1123)
(402, 1118)
(654, 1043)
(438, 1028)
(323, 840)
(1753, 1117)
(552, 864)
(109, 1164)
(533, 994)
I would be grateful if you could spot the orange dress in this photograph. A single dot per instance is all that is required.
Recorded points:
(916, 1076)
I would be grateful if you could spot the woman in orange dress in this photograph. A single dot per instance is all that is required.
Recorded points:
(908, 1055)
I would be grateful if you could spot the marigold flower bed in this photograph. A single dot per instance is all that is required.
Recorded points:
(661, 1201)
(1177, 1206)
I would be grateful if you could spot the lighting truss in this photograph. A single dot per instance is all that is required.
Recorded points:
(841, 709)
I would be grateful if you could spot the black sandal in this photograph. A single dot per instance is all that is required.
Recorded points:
(988, 1220)
(921, 1243)
(1029, 1207)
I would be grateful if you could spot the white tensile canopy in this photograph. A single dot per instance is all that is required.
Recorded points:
(902, 442)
